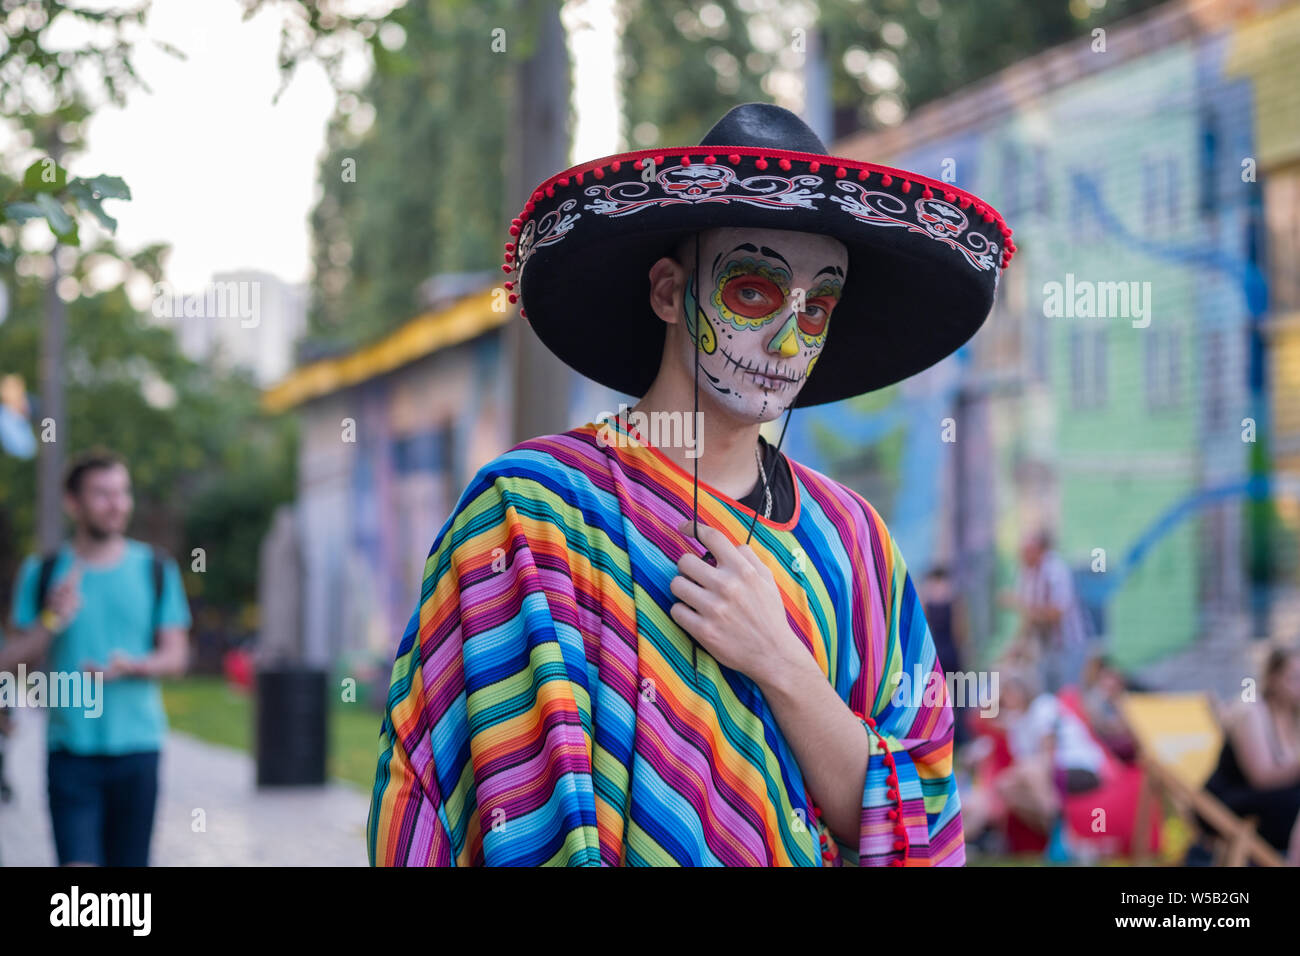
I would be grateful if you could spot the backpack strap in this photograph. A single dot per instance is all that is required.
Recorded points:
(43, 578)
(157, 566)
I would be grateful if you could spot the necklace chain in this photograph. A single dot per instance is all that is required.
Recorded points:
(767, 491)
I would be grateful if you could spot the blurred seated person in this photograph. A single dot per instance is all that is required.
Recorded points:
(1053, 756)
(1258, 773)
(1103, 686)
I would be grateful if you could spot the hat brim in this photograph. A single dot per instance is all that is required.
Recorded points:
(923, 258)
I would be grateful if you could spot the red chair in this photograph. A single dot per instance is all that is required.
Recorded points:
(1105, 817)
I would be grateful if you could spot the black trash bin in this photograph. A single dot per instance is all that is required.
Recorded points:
(292, 726)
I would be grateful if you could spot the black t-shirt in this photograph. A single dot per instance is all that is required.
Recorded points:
(780, 481)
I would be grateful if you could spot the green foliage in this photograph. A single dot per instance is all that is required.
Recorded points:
(201, 454)
(47, 92)
(429, 189)
(41, 77)
(679, 74)
(688, 61)
(229, 518)
(941, 46)
(46, 192)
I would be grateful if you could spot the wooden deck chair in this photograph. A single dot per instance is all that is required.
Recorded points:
(1179, 739)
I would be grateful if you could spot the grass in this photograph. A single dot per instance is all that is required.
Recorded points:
(211, 709)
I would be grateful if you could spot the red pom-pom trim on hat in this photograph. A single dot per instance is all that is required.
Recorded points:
(787, 159)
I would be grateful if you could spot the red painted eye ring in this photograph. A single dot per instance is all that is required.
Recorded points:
(773, 297)
(810, 326)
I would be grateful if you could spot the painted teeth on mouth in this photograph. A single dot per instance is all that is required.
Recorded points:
(764, 373)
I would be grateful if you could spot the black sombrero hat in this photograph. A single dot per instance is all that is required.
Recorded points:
(924, 256)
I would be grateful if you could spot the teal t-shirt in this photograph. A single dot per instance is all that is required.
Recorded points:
(116, 615)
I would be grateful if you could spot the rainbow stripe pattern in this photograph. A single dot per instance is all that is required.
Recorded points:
(543, 709)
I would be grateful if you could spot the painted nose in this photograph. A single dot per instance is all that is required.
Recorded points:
(785, 341)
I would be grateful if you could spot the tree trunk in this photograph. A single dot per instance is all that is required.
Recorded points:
(539, 148)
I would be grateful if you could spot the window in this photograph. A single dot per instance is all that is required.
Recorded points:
(1164, 368)
(1088, 367)
(1086, 206)
(1161, 193)
(1209, 161)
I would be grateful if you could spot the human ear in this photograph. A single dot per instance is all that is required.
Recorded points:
(667, 286)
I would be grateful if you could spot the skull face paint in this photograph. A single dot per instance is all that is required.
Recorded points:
(763, 315)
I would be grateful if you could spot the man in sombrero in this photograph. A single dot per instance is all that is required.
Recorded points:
(694, 653)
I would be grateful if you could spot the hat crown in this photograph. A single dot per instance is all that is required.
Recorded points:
(765, 126)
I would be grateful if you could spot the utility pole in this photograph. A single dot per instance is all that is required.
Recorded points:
(50, 457)
(539, 148)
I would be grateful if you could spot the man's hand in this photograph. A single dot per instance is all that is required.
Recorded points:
(120, 665)
(735, 609)
(64, 599)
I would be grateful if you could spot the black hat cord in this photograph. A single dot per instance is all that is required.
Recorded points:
(695, 489)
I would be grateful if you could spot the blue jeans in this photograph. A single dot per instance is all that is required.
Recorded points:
(102, 806)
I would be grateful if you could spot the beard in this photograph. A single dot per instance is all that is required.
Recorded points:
(96, 531)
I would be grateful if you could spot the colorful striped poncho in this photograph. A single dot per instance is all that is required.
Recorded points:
(543, 708)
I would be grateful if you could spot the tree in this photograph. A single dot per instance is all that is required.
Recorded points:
(193, 437)
(414, 180)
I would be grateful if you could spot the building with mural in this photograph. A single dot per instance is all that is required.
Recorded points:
(1112, 393)
(1137, 383)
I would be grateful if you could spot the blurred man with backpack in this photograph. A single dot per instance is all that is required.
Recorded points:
(104, 604)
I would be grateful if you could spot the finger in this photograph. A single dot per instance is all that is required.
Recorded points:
(688, 619)
(698, 570)
(697, 597)
(749, 554)
(714, 540)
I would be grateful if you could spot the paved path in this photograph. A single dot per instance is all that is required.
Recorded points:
(307, 826)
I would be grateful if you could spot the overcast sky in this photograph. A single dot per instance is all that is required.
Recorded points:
(214, 168)
(227, 178)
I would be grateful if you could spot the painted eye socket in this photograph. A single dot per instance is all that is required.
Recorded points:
(813, 320)
(752, 296)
